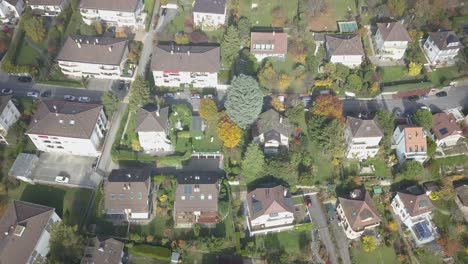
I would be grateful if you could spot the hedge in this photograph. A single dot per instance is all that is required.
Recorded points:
(173, 160)
(155, 252)
(120, 154)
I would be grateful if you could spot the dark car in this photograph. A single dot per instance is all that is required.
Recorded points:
(121, 85)
(25, 79)
(308, 201)
(46, 94)
(413, 98)
(441, 94)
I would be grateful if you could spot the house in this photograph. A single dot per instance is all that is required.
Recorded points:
(95, 57)
(196, 200)
(462, 199)
(127, 194)
(391, 40)
(152, 126)
(9, 114)
(68, 128)
(49, 8)
(100, 250)
(445, 130)
(209, 14)
(410, 143)
(26, 232)
(414, 210)
(357, 213)
(441, 47)
(269, 208)
(362, 138)
(185, 65)
(117, 13)
(269, 45)
(11, 10)
(345, 49)
(271, 130)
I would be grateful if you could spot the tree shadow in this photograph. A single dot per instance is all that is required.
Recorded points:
(266, 182)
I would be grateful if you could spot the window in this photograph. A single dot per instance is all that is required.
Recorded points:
(210, 197)
(182, 197)
(411, 149)
(140, 196)
(202, 197)
(131, 196)
(122, 196)
(273, 214)
(59, 147)
(112, 196)
(50, 146)
(57, 142)
(47, 141)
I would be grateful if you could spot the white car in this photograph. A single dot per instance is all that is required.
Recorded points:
(69, 97)
(34, 94)
(84, 99)
(7, 91)
(62, 179)
(425, 107)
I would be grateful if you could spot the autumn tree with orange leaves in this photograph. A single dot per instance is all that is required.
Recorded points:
(328, 106)
(229, 132)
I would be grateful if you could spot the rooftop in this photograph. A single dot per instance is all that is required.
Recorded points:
(197, 192)
(103, 251)
(210, 6)
(445, 125)
(270, 42)
(272, 121)
(113, 5)
(44, 2)
(363, 128)
(171, 58)
(462, 193)
(393, 31)
(344, 44)
(415, 204)
(152, 119)
(265, 201)
(443, 39)
(359, 210)
(415, 139)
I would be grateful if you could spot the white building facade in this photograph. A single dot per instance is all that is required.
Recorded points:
(9, 115)
(391, 40)
(175, 79)
(43, 246)
(11, 10)
(209, 14)
(47, 7)
(442, 47)
(345, 49)
(362, 138)
(410, 144)
(122, 14)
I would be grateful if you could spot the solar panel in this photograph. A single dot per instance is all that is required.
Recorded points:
(188, 189)
(443, 131)
(422, 230)
(256, 206)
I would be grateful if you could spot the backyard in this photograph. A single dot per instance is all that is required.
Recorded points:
(336, 10)
(388, 75)
(443, 76)
(383, 255)
(261, 16)
(293, 244)
(26, 55)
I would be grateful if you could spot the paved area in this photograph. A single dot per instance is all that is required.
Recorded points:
(99, 84)
(341, 241)
(77, 168)
(166, 15)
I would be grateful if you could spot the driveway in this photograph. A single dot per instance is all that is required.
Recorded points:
(341, 241)
(318, 215)
(166, 15)
(77, 168)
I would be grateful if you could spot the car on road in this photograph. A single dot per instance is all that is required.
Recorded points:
(34, 94)
(69, 98)
(209, 96)
(123, 85)
(195, 96)
(46, 94)
(441, 94)
(424, 107)
(7, 91)
(25, 79)
(62, 179)
(171, 95)
(84, 99)
(308, 201)
(413, 98)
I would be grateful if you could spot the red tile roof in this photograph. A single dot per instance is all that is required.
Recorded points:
(277, 39)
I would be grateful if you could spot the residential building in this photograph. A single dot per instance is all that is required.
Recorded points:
(269, 208)
(11, 10)
(127, 194)
(209, 14)
(445, 130)
(271, 130)
(441, 47)
(117, 13)
(47, 7)
(26, 232)
(462, 199)
(410, 143)
(95, 57)
(269, 45)
(357, 213)
(100, 250)
(9, 114)
(414, 210)
(456, 113)
(68, 128)
(152, 126)
(345, 49)
(185, 65)
(196, 199)
(391, 40)
(362, 138)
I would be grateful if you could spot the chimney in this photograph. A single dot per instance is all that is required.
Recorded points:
(78, 44)
(188, 52)
(285, 193)
(273, 33)
(281, 120)
(110, 48)
(172, 52)
(101, 249)
(128, 175)
(96, 40)
(87, 41)
(388, 25)
(157, 111)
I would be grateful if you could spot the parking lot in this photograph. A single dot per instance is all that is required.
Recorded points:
(77, 168)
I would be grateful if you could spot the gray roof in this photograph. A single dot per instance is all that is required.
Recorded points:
(207, 184)
(12, 2)
(394, 31)
(210, 6)
(147, 119)
(96, 50)
(272, 121)
(44, 2)
(4, 102)
(197, 124)
(265, 201)
(114, 5)
(185, 58)
(462, 193)
(363, 128)
(344, 44)
(127, 186)
(103, 251)
(23, 165)
(64, 119)
(443, 38)
(33, 218)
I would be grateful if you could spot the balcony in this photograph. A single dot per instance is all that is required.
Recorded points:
(106, 69)
(68, 65)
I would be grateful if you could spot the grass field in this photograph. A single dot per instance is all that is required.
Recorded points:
(407, 87)
(262, 15)
(395, 73)
(443, 76)
(382, 255)
(26, 55)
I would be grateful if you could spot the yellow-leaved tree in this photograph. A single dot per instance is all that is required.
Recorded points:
(369, 243)
(228, 132)
(284, 81)
(414, 68)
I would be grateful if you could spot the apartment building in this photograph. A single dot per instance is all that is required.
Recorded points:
(410, 143)
(345, 49)
(95, 57)
(441, 47)
(47, 7)
(269, 45)
(209, 14)
(11, 10)
(391, 40)
(9, 114)
(174, 66)
(362, 138)
(68, 128)
(118, 13)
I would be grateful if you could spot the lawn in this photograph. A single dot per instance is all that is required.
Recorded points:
(407, 86)
(443, 76)
(205, 144)
(69, 203)
(149, 7)
(395, 73)
(292, 243)
(382, 255)
(26, 55)
(380, 166)
(262, 15)
(178, 24)
(322, 166)
(130, 134)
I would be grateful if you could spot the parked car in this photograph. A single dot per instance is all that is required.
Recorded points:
(209, 96)
(34, 94)
(84, 99)
(46, 93)
(62, 179)
(308, 201)
(69, 98)
(121, 85)
(413, 98)
(25, 79)
(441, 94)
(168, 95)
(424, 107)
(196, 96)
(7, 91)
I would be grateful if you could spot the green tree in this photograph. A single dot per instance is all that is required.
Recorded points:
(354, 83)
(182, 113)
(411, 169)
(208, 111)
(253, 164)
(88, 30)
(244, 26)
(329, 69)
(397, 7)
(326, 134)
(244, 100)
(386, 122)
(423, 118)
(341, 72)
(230, 46)
(431, 146)
(66, 246)
(139, 93)
(296, 116)
(196, 229)
(35, 29)
(246, 64)
(110, 102)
